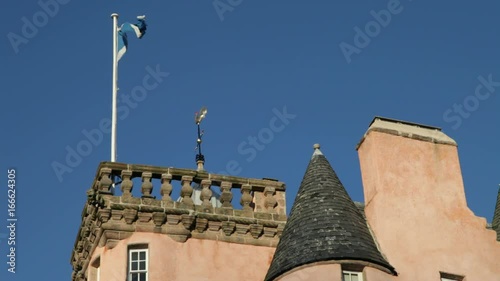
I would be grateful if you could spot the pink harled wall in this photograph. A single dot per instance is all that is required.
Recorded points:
(316, 272)
(416, 207)
(193, 260)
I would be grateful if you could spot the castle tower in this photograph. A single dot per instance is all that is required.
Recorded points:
(326, 235)
(416, 205)
(148, 235)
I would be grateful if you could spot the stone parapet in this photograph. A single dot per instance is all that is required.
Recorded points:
(108, 218)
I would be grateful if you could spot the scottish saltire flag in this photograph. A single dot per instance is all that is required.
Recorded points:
(139, 29)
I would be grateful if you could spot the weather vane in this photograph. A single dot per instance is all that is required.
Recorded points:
(199, 116)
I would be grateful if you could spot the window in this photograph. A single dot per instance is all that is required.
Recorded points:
(451, 277)
(351, 276)
(138, 263)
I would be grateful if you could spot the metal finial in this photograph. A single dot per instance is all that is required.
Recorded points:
(316, 150)
(199, 116)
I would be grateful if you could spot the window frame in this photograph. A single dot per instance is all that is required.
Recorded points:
(450, 277)
(359, 274)
(137, 250)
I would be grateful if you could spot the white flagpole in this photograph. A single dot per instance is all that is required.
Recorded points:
(114, 16)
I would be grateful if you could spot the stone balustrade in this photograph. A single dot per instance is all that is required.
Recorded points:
(257, 219)
(257, 195)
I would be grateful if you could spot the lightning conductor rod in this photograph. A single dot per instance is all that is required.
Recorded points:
(200, 159)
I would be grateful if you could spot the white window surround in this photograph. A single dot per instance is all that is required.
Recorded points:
(450, 277)
(138, 260)
(351, 275)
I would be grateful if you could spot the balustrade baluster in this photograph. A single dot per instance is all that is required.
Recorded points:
(166, 188)
(246, 197)
(147, 185)
(226, 195)
(206, 195)
(187, 192)
(127, 184)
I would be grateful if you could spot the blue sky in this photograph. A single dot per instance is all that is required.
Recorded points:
(423, 65)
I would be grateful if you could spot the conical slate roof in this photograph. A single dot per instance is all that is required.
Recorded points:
(496, 217)
(324, 224)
